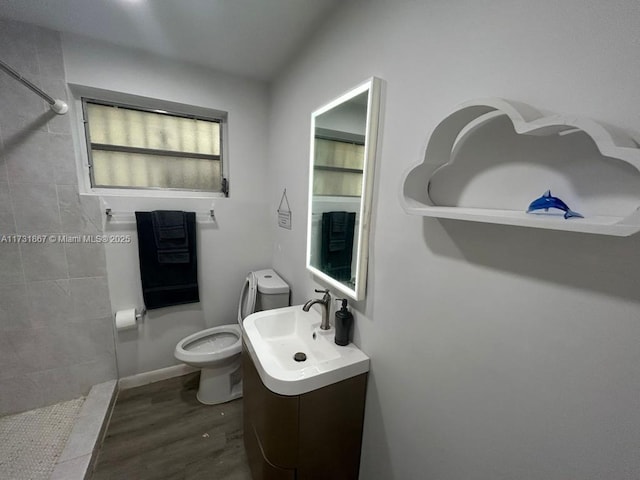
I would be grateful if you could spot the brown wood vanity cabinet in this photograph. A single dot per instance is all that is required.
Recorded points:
(313, 436)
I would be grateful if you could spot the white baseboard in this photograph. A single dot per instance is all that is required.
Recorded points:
(155, 376)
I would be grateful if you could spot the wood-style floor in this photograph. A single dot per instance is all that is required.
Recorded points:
(161, 432)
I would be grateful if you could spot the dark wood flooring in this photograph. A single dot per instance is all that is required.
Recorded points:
(161, 432)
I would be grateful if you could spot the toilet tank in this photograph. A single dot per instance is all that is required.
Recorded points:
(273, 291)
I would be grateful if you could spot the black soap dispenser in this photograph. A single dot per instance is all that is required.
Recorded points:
(343, 323)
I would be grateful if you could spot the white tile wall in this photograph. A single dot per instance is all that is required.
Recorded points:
(56, 335)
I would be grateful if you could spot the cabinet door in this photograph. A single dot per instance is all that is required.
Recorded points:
(331, 420)
(273, 418)
(261, 469)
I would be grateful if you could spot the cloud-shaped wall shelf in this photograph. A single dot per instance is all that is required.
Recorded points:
(490, 158)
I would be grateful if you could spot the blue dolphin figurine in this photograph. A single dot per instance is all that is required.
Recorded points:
(548, 201)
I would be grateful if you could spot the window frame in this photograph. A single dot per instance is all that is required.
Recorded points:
(81, 135)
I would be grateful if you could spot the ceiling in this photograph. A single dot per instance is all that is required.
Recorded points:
(253, 38)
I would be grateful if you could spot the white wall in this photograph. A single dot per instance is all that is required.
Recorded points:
(350, 117)
(496, 352)
(237, 243)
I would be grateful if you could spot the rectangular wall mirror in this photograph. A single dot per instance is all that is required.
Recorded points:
(342, 162)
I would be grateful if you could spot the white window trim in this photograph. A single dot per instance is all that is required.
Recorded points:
(82, 154)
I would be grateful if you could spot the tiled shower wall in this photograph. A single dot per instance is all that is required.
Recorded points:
(56, 334)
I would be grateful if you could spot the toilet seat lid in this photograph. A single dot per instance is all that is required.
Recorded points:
(247, 303)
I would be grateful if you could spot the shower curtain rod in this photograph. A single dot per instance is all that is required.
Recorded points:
(57, 106)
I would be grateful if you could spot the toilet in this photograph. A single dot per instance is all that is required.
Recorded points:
(217, 350)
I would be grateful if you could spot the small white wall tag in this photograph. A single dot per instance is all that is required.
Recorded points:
(284, 216)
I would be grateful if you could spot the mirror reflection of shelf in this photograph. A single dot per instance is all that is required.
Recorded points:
(491, 157)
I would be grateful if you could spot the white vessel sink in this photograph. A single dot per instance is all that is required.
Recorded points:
(273, 338)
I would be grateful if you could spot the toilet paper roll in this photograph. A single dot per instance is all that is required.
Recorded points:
(126, 319)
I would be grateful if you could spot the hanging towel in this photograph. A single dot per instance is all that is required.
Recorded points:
(168, 259)
(336, 247)
(171, 236)
(337, 231)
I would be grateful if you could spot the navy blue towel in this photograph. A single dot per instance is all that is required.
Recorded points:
(171, 236)
(336, 247)
(168, 257)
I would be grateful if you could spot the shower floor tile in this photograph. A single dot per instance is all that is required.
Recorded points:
(31, 442)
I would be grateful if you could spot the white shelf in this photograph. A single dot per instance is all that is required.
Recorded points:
(449, 136)
(616, 226)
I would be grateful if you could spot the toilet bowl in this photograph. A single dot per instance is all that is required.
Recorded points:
(217, 350)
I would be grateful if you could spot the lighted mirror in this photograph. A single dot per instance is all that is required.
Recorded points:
(343, 152)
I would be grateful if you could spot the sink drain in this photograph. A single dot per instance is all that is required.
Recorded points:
(300, 357)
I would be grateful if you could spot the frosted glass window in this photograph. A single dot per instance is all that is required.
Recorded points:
(332, 153)
(327, 182)
(134, 148)
(338, 168)
(137, 170)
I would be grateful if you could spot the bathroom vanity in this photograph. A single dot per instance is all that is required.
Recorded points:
(313, 435)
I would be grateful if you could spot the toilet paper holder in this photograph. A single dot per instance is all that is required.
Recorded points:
(129, 318)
